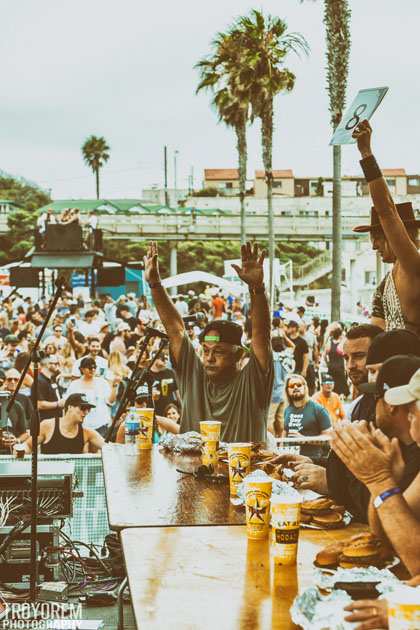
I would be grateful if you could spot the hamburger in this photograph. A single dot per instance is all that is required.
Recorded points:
(328, 520)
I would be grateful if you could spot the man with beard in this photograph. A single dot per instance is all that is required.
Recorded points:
(217, 388)
(94, 352)
(304, 416)
(394, 235)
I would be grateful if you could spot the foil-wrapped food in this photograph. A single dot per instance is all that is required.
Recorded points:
(189, 443)
(313, 611)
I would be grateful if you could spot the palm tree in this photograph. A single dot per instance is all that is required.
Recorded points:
(217, 73)
(264, 45)
(337, 16)
(95, 151)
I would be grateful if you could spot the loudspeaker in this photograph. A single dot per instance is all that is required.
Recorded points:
(110, 277)
(23, 277)
(63, 237)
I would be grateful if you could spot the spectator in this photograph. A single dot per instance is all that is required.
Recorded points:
(303, 416)
(67, 434)
(98, 392)
(10, 384)
(181, 306)
(94, 352)
(121, 338)
(334, 359)
(90, 325)
(328, 399)
(57, 338)
(49, 399)
(218, 306)
(301, 351)
(163, 381)
(283, 365)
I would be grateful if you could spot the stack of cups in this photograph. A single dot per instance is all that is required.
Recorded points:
(239, 455)
(285, 523)
(210, 432)
(145, 435)
(257, 505)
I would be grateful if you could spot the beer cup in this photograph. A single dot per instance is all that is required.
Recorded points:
(404, 608)
(144, 439)
(257, 507)
(285, 523)
(239, 455)
(210, 432)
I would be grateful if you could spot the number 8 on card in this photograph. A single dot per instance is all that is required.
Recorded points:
(362, 108)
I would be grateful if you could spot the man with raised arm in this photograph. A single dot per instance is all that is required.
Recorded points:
(215, 388)
(394, 234)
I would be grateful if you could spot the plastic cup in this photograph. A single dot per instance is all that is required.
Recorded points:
(404, 608)
(239, 455)
(210, 432)
(144, 439)
(257, 507)
(285, 523)
(19, 451)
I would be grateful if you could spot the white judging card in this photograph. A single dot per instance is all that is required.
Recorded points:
(362, 108)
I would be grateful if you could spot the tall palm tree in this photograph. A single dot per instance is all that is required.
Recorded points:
(95, 151)
(264, 45)
(337, 16)
(217, 73)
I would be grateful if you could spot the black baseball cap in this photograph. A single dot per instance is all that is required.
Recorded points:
(389, 344)
(142, 392)
(395, 372)
(78, 400)
(226, 332)
(326, 378)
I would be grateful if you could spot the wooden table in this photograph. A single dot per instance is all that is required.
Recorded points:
(194, 578)
(144, 490)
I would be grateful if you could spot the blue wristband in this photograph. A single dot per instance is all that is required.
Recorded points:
(381, 498)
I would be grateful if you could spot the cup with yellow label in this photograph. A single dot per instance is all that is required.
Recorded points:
(144, 438)
(285, 523)
(258, 487)
(239, 455)
(210, 432)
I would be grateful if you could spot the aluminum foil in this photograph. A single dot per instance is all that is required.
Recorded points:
(185, 443)
(314, 611)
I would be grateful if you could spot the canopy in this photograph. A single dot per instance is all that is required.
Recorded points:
(202, 276)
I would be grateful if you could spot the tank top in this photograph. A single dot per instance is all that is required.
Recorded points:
(61, 444)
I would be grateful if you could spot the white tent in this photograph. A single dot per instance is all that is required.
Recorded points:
(202, 276)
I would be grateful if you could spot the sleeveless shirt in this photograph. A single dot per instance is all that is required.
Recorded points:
(61, 444)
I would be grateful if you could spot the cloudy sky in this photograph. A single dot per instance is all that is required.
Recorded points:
(124, 70)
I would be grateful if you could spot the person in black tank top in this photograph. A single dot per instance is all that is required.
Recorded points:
(67, 435)
(59, 443)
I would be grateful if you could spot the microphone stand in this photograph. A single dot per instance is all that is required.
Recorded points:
(137, 377)
(35, 358)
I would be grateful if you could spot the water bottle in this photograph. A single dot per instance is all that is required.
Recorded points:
(132, 427)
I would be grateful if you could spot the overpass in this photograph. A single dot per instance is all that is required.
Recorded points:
(193, 226)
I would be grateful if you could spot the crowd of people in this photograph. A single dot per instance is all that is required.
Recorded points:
(264, 374)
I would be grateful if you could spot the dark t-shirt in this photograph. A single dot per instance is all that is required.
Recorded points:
(301, 348)
(312, 419)
(241, 405)
(47, 391)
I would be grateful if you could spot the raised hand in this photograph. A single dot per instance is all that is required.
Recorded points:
(151, 264)
(251, 272)
(363, 133)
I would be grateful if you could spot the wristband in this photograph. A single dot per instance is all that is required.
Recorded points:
(257, 290)
(370, 168)
(381, 498)
(155, 285)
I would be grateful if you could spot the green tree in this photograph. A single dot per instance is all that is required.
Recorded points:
(21, 221)
(337, 16)
(95, 151)
(217, 73)
(264, 44)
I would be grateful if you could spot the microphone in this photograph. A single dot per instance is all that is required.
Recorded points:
(193, 319)
(154, 332)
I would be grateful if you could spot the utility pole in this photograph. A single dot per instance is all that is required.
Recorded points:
(165, 167)
(176, 153)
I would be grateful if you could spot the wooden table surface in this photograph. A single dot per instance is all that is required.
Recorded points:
(199, 578)
(144, 490)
